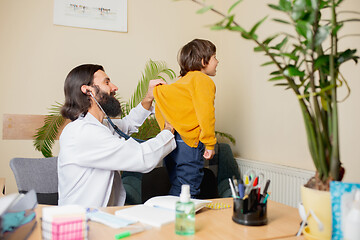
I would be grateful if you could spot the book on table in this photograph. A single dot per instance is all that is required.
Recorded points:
(156, 211)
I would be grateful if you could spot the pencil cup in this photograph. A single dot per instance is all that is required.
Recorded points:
(249, 212)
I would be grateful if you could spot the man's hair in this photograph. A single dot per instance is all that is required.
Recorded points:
(76, 102)
(191, 54)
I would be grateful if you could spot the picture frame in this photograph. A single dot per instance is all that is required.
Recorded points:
(109, 15)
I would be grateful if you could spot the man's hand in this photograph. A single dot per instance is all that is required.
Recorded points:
(147, 101)
(209, 154)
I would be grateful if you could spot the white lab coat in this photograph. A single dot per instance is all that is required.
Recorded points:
(90, 152)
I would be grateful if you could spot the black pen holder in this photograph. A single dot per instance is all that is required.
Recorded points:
(250, 211)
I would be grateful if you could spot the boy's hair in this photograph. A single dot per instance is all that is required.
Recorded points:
(191, 54)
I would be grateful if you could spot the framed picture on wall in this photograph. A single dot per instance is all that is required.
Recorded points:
(108, 15)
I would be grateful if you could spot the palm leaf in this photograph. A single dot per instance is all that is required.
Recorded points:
(226, 135)
(148, 130)
(153, 70)
(46, 135)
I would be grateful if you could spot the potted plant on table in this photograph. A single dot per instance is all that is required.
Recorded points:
(308, 63)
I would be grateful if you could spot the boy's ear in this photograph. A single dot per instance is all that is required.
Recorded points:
(202, 63)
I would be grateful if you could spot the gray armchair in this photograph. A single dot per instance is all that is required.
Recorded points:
(39, 174)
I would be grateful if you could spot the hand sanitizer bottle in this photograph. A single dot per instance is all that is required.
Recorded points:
(185, 213)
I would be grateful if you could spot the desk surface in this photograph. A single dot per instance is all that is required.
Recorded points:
(283, 222)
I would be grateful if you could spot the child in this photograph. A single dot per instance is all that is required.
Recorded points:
(188, 105)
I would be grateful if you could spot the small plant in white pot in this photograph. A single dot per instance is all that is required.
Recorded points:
(308, 63)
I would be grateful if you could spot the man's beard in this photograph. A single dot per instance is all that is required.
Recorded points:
(109, 103)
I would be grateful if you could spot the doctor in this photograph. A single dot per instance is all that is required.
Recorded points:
(91, 153)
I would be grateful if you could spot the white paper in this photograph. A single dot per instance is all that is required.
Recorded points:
(149, 215)
(169, 202)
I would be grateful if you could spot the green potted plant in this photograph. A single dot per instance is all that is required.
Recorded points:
(307, 63)
(45, 136)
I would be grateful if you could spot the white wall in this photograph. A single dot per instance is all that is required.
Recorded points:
(266, 121)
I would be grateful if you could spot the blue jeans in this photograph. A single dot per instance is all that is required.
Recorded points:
(185, 166)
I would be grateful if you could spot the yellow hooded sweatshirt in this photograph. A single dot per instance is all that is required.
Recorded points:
(188, 105)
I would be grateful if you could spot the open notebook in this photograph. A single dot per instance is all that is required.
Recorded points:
(156, 211)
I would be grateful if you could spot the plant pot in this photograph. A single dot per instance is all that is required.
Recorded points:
(320, 203)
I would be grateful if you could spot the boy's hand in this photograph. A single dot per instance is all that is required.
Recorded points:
(209, 154)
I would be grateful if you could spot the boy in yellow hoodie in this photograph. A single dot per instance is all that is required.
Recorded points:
(188, 105)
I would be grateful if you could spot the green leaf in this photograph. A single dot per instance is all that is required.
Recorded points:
(281, 21)
(290, 55)
(148, 129)
(321, 61)
(246, 36)
(276, 78)
(292, 71)
(45, 136)
(253, 29)
(275, 7)
(170, 73)
(238, 29)
(337, 28)
(269, 39)
(347, 55)
(226, 135)
(322, 33)
(298, 9)
(275, 73)
(267, 63)
(230, 21)
(281, 84)
(285, 5)
(204, 9)
(282, 43)
(258, 49)
(304, 29)
(233, 6)
(153, 70)
(217, 27)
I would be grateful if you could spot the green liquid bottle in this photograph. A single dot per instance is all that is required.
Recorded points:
(185, 213)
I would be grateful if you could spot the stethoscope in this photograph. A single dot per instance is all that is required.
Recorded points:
(117, 130)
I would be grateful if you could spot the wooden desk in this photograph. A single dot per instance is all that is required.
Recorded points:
(283, 222)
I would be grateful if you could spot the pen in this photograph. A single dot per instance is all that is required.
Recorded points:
(255, 182)
(265, 199)
(235, 183)
(246, 181)
(241, 190)
(266, 187)
(232, 189)
(129, 232)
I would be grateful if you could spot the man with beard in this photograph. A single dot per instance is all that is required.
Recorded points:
(91, 152)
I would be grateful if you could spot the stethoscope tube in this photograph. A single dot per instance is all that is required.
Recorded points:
(117, 130)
